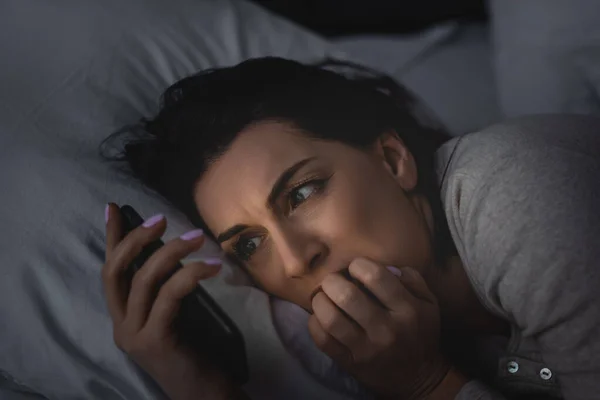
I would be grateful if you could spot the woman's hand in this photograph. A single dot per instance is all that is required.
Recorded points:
(390, 344)
(143, 314)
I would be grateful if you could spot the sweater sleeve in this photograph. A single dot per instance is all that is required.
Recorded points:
(475, 390)
(531, 240)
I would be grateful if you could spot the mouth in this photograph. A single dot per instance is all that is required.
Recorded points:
(345, 272)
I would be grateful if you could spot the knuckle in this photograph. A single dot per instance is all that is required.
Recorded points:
(361, 356)
(176, 249)
(142, 347)
(130, 242)
(139, 235)
(373, 275)
(108, 272)
(137, 349)
(136, 345)
(192, 272)
(384, 337)
(409, 315)
(362, 264)
(121, 340)
(142, 279)
(169, 255)
(322, 342)
(171, 290)
(346, 295)
(329, 322)
(135, 241)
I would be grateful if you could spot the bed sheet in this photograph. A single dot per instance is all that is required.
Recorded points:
(73, 71)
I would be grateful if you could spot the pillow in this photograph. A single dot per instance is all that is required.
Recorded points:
(448, 66)
(73, 72)
(546, 55)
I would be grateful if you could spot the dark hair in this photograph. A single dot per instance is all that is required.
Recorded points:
(202, 114)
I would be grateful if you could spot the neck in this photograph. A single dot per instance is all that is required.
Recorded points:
(461, 310)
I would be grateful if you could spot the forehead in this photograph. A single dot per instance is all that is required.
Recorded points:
(239, 182)
(264, 145)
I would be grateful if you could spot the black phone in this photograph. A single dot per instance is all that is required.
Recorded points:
(201, 323)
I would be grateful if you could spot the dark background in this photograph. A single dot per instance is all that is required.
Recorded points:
(349, 17)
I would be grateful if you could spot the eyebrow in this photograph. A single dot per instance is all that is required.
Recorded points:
(278, 187)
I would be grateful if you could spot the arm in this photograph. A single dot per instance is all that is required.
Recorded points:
(456, 386)
(181, 380)
(531, 240)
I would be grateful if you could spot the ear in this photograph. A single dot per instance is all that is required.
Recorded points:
(397, 159)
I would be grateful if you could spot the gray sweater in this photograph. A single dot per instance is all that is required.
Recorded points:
(523, 206)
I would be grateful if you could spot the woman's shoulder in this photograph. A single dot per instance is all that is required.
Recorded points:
(521, 203)
(521, 200)
(472, 155)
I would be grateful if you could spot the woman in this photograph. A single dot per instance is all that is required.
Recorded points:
(331, 193)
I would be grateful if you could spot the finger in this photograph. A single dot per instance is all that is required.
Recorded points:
(133, 243)
(156, 269)
(355, 302)
(116, 285)
(167, 303)
(113, 228)
(413, 281)
(115, 291)
(328, 344)
(381, 282)
(335, 323)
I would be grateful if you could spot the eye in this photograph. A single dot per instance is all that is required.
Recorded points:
(300, 194)
(245, 247)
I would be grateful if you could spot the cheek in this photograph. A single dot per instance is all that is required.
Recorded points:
(356, 211)
(338, 215)
(409, 242)
(343, 210)
(379, 221)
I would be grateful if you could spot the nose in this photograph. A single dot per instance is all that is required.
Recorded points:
(300, 252)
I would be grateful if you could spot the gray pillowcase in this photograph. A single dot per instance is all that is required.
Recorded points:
(546, 55)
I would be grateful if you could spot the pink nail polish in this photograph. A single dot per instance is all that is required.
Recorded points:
(106, 213)
(212, 261)
(191, 235)
(394, 270)
(153, 220)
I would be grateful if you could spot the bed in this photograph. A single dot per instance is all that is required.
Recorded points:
(73, 71)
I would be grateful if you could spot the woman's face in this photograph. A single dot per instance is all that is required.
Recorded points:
(293, 209)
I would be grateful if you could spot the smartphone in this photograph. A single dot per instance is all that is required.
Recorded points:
(201, 324)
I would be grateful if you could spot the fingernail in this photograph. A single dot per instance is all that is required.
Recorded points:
(106, 213)
(191, 235)
(394, 270)
(153, 220)
(213, 261)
